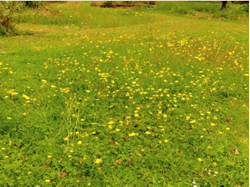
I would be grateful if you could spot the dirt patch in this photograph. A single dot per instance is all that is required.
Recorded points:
(110, 4)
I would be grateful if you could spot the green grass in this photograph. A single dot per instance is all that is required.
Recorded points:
(143, 98)
(203, 10)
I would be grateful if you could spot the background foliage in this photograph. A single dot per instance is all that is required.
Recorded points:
(10, 14)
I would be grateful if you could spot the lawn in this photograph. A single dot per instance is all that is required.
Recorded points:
(143, 96)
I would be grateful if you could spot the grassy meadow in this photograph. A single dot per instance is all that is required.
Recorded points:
(142, 96)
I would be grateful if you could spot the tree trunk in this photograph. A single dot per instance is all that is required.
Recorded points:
(224, 5)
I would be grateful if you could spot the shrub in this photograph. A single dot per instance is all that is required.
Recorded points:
(10, 13)
(245, 8)
(33, 4)
(152, 2)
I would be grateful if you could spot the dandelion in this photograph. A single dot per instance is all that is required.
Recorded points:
(215, 164)
(47, 180)
(26, 97)
(200, 160)
(29, 172)
(228, 128)
(166, 141)
(212, 124)
(12, 92)
(49, 156)
(98, 160)
(132, 134)
(111, 122)
(79, 142)
(53, 86)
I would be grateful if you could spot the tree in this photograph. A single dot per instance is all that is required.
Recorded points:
(224, 5)
(10, 14)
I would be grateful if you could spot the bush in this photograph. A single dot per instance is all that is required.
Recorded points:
(152, 2)
(33, 4)
(245, 8)
(10, 13)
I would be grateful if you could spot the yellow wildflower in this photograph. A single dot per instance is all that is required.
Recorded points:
(215, 164)
(26, 97)
(110, 122)
(132, 134)
(79, 142)
(98, 160)
(200, 160)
